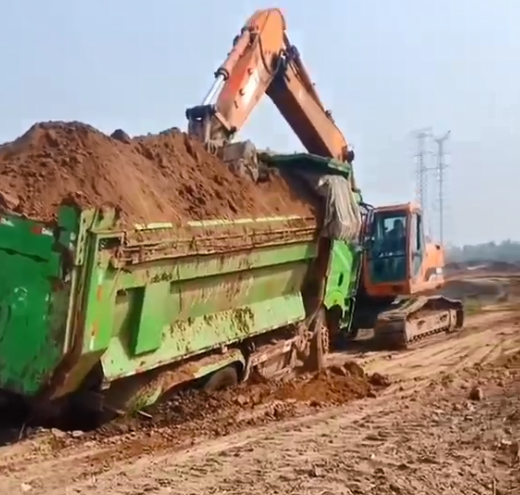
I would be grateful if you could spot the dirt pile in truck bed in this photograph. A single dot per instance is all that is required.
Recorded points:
(154, 178)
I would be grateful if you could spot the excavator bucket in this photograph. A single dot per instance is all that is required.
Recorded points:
(243, 158)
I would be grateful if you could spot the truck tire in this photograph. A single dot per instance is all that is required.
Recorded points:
(223, 378)
(326, 335)
(319, 345)
(325, 339)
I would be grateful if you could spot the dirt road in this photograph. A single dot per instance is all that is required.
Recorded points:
(421, 435)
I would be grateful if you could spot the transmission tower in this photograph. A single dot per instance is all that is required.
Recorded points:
(422, 169)
(440, 168)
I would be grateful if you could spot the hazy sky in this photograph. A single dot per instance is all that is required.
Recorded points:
(383, 67)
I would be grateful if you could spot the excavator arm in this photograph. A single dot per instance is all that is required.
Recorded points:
(263, 61)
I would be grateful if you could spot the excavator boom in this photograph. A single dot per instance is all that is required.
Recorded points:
(263, 61)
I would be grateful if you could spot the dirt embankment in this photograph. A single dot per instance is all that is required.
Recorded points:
(480, 267)
(155, 178)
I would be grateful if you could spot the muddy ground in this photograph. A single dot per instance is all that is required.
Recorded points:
(445, 421)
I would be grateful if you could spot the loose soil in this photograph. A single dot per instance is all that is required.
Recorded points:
(222, 412)
(441, 417)
(155, 178)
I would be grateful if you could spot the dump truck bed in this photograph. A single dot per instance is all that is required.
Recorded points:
(86, 292)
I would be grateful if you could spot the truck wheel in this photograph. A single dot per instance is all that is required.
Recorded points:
(325, 339)
(319, 345)
(224, 378)
(325, 334)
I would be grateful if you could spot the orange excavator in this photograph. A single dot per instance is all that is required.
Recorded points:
(398, 267)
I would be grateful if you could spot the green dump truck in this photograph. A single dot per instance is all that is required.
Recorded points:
(112, 319)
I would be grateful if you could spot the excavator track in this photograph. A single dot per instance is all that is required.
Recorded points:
(417, 318)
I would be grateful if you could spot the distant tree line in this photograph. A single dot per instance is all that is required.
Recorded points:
(508, 251)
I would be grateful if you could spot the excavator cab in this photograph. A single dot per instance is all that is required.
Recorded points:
(398, 261)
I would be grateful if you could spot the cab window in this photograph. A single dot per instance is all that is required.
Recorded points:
(388, 235)
(387, 247)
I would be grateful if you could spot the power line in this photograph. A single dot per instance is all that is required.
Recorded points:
(423, 138)
(440, 168)
(422, 169)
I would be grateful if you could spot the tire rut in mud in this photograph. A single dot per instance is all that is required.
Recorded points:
(220, 413)
(192, 415)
